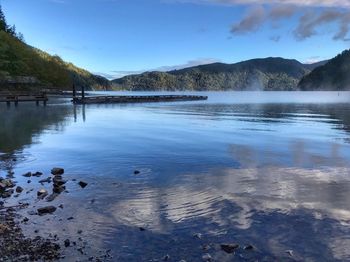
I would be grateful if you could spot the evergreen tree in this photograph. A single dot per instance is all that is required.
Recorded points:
(3, 24)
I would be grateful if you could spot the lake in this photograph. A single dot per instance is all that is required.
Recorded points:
(269, 171)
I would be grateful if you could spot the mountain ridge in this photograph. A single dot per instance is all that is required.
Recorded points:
(271, 73)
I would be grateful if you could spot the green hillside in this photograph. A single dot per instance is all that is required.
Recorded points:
(257, 74)
(334, 75)
(25, 67)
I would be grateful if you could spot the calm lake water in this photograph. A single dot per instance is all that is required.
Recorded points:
(267, 169)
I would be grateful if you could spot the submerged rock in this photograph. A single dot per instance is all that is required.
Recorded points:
(197, 235)
(136, 172)
(37, 174)
(83, 184)
(229, 248)
(42, 193)
(57, 171)
(58, 189)
(46, 180)
(51, 197)
(58, 180)
(29, 174)
(19, 189)
(46, 210)
(207, 257)
(248, 247)
(67, 243)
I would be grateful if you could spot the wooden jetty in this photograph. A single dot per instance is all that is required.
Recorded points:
(16, 98)
(135, 99)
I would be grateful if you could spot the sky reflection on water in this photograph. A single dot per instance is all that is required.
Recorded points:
(275, 175)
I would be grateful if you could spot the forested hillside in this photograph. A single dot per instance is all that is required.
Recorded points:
(335, 75)
(25, 67)
(256, 74)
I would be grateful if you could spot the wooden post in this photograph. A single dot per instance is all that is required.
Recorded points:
(74, 91)
(82, 92)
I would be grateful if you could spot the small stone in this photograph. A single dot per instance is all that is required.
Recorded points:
(57, 171)
(136, 172)
(58, 189)
(142, 229)
(28, 181)
(51, 197)
(197, 235)
(19, 189)
(42, 193)
(166, 258)
(229, 248)
(46, 210)
(26, 219)
(289, 252)
(80, 231)
(29, 174)
(60, 206)
(83, 184)
(37, 174)
(70, 218)
(46, 180)
(67, 243)
(207, 257)
(248, 247)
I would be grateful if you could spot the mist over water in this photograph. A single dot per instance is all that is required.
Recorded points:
(270, 169)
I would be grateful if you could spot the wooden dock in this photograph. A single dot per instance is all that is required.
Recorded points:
(23, 97)
(135, 99)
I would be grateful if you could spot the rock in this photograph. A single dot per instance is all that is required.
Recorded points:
(207, 257)
(46, 210)
(58, 189)
(67, 243)
(83, 184)
(80, 231)
(229, 248)
(7, 193)
(37, 174)
(19, 189)
(197, 235)
(248, 247)
(28, 181)
(51, 197)
(166, 258)
(29, 174)
(46, 180)
(6, 183)
(42, 193)
(70, 218)
(206, 247)
(289, 252)
(136, 172)
(26, 219)
(58, 180)
(142, 229)
(60, 206)
(57, 171)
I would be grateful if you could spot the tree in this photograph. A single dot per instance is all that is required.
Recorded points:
(3, 24)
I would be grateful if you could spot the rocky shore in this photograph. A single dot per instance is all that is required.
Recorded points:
(14, 244)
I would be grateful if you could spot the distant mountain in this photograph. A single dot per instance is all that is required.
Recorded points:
(334, 75)
(257, 74)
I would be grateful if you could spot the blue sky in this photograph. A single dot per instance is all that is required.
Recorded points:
(118, 37)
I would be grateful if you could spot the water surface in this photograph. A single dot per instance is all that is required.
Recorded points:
(268, 169)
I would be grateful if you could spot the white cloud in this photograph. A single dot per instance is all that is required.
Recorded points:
(324, 3)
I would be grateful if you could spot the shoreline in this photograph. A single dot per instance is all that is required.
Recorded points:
(15, 245)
